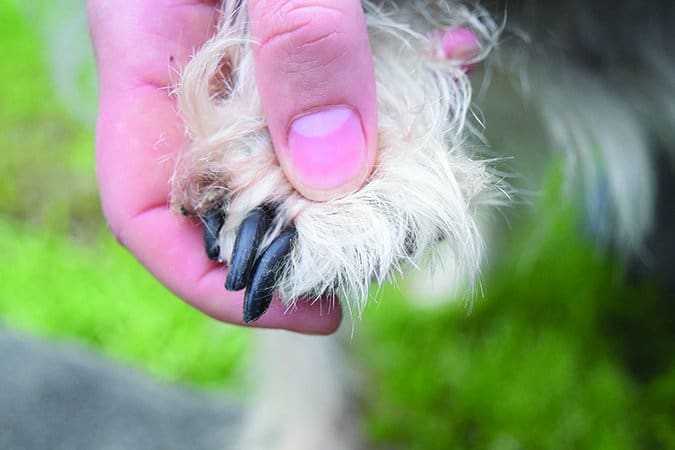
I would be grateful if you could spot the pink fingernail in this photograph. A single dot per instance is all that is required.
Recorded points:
(460, 44)
(327, 148)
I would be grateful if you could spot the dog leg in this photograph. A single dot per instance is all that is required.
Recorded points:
(304, 398)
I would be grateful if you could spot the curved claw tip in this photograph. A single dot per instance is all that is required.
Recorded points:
(266, 274)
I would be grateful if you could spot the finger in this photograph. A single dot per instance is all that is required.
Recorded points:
(266, 273)
(138, 132)
(460, 44)
(170, 247)
(250, 235)
(315, 75)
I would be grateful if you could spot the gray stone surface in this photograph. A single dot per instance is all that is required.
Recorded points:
(61, 397)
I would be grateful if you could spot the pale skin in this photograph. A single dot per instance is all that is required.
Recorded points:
(314, 56)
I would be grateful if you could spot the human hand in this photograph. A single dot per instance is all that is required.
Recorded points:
(312, 57)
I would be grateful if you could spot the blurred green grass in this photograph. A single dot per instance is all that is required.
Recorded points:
(560, 353)
(62, 274)
(98, 294)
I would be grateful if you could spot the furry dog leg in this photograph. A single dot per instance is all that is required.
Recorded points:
(304, 398)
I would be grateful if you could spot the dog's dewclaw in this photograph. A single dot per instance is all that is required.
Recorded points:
(212, 223)
(250, 235)
(266, 273)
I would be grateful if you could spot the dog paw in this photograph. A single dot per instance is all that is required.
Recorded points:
(252, 266)
(425, 186)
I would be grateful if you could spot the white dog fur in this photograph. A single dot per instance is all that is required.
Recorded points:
(429, 179)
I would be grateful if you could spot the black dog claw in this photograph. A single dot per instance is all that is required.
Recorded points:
(266, 274)
(250, 235)
(213, 222)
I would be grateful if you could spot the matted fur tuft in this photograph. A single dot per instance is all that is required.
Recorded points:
(428, 180)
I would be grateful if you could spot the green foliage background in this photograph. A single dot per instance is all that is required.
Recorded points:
(559, 353)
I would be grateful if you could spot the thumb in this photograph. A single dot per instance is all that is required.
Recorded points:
(315, 75)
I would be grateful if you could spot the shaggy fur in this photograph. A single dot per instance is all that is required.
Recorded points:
(429, 177)
(432, 174)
